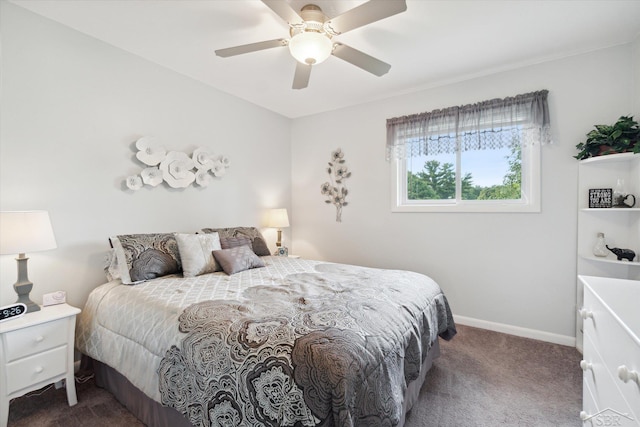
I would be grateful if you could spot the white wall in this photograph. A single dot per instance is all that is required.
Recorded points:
(636, 77)
(510, 269)
(636, 113)
(72, 106)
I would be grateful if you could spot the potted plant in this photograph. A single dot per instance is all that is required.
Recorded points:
(621, 137)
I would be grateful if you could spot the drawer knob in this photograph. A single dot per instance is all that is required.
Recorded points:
(584, 416)
(39, 369)
(586, 365)
(626, 374)
(39, 338)
(585, 314)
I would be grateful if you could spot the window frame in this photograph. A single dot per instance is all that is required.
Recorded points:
(530, 187)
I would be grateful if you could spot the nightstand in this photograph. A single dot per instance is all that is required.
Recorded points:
(35, 350)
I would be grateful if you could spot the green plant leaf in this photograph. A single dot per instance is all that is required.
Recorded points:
(604, 129)
(622, 136)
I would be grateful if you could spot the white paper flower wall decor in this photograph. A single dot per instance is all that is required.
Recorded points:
(149, 151)
(177, 169)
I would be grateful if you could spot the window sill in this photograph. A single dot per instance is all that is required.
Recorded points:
(492, 207)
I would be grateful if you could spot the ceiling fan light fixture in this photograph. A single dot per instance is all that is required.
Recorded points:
(310, 47)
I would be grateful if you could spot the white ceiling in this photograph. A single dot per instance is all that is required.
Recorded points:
(432, 43)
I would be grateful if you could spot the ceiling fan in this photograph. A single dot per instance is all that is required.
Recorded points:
(312, 33)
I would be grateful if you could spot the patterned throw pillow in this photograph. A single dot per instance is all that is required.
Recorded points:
(232, 242)
(146, 256)
(195, 253)
(259, 245)
(237, 259)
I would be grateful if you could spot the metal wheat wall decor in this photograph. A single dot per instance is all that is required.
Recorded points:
(177, 169)
(336, 190)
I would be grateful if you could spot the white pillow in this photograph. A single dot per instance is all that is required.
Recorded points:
(196, 253)
(111, 268)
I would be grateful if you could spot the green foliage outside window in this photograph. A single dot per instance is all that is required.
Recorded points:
(437, 181)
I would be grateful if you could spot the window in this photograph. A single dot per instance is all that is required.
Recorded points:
(482, 157)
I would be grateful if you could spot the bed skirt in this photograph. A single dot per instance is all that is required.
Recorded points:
(154, 414)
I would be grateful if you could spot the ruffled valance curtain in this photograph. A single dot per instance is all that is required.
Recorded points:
(521, 119)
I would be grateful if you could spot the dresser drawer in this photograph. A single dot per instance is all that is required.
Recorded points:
(604, 386)
(615, 346)
(34, 369)
(589, 405)
(35, 339)
(611, 338)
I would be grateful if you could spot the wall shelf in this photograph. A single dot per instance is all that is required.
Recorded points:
(611, 158)
(611, 260)
(611, 210)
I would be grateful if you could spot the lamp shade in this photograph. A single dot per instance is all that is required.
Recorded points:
(26, 231)
(278, 218)
(310, 47)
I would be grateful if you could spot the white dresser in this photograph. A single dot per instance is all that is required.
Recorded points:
(611, 364)
(35, 350)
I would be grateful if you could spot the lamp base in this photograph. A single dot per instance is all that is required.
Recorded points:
(23, 286)
(31, 306)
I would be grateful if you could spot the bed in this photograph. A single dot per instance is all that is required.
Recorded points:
(288, 342)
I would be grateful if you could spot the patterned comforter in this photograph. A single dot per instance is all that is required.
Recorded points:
(298, 343)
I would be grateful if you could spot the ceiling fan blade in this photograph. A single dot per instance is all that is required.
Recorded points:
(372, 11)
(301, 78)
(284, 11)
(361, 59)
(252, 47)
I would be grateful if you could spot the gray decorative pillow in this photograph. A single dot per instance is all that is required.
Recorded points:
(232, 242)
(237, 259)
(195, 253)
(259, 244)
(146, 256)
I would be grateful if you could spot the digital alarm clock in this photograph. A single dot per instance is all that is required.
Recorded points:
(12, 311)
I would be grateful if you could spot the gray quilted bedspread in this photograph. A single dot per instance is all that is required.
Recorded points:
(332, 345)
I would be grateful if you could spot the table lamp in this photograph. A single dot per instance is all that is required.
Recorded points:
(21, 232)
(278, 219)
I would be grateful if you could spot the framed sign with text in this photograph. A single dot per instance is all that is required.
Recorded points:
(600, 197)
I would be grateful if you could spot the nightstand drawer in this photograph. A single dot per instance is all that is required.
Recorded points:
(35, 339)
(35, 369)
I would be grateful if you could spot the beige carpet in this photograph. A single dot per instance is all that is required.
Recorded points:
(482, 378)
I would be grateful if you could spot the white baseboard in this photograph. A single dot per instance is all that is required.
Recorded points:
(516, 330)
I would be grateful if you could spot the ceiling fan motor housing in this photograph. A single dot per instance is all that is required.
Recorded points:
(310, 43)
